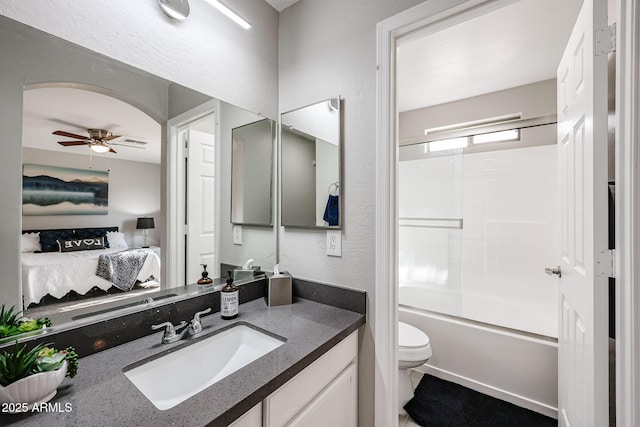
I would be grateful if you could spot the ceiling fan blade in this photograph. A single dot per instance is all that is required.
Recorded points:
(69, 134)
(71, 143)
(109, 138)
(111, 150)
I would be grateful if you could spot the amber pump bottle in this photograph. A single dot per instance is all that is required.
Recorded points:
(229, 300)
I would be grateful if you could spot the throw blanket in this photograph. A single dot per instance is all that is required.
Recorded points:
(121, 268)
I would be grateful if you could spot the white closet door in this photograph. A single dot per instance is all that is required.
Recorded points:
(201, 198)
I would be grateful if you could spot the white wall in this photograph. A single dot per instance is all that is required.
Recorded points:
(134, 190)
(328, 48)
(540, 101)
(207, 52)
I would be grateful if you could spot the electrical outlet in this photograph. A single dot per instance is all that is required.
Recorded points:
(237, 234)
(334, 243)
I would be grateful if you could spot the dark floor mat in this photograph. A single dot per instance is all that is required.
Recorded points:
(440, 403)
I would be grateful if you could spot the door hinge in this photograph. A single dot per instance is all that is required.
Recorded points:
(186, 149)
(607, 264)
(605, 40)
(612, 263)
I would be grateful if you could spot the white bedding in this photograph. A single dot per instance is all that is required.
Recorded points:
(57, 274)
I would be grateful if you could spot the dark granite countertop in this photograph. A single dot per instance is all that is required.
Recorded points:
(102, 395)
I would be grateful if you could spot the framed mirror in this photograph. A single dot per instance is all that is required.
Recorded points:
(311, 165)
(43, 77)
(251, 173)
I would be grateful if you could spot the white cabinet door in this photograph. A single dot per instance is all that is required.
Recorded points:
(582, 159)
(318, 382)
(253, 418)
(335, 406)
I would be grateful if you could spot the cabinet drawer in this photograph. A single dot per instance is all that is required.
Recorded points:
(289, 399)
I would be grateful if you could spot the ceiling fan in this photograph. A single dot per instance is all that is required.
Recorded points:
(99, 140)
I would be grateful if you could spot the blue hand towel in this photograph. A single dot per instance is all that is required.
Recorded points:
(332, 212)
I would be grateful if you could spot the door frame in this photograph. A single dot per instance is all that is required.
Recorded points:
(627, 212)
(437, 14)
(176, 181)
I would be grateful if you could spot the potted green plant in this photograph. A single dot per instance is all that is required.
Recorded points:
(12, 323)
(32, 376)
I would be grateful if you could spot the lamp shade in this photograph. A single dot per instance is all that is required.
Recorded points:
(145, 223)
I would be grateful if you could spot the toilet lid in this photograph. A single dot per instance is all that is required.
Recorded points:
(411, 337)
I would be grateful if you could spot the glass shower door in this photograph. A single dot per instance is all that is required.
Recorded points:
(430, 226)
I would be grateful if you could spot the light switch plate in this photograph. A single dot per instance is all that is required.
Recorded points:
(237, 234)
(334, 243)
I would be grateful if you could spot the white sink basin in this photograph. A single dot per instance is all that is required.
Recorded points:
(175, 377)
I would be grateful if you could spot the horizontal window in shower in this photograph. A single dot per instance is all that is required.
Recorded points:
(476, 230)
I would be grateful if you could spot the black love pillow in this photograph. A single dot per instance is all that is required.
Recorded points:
(81, 244)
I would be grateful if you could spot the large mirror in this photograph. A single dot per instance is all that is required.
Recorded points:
(106, 132)
(311, 165)
(251, 173)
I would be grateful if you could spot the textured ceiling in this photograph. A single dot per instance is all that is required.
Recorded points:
(512, 46)
(75, 110)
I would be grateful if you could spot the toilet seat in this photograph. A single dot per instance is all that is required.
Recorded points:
(413, 344)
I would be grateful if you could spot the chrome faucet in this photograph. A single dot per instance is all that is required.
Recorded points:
(175, 333)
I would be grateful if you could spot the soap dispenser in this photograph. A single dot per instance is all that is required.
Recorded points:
(229, 300)
(279, 288)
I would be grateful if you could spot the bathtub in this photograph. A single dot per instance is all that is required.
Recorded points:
(515, 366)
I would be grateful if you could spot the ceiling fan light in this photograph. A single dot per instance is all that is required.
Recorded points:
(99, 148)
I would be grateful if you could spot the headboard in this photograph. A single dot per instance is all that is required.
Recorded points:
(49, 238)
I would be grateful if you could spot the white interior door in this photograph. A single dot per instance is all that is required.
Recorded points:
(582, 158)
(200, 203)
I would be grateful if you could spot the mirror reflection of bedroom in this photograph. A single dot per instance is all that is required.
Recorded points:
(112, 217)
(91, 199)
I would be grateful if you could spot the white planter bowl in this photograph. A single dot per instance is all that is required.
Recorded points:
(37, 388)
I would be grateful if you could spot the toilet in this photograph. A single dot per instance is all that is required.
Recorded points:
(413, 350)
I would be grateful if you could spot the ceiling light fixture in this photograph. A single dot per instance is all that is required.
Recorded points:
(99, 147)
(230, 13)
(176, 9)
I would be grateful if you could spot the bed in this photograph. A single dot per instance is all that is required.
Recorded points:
(46, 270)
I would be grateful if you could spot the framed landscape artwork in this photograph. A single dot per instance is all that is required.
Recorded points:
(52, 190)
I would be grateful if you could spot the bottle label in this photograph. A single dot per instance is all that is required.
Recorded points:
(229, 303)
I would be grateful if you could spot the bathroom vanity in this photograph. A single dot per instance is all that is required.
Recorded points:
(323, 394)
(309, 380)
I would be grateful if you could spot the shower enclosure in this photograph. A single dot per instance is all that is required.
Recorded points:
(476, 231)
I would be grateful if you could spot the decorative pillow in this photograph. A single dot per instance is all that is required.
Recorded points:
(116, 240)
(49, 239)
(30, 242)
(81, 244)
(89, 233)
